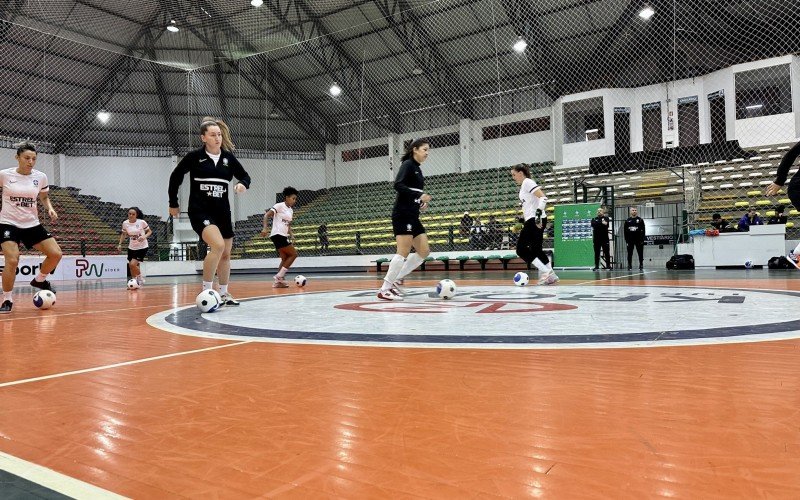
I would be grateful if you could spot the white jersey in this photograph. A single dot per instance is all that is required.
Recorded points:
(282, 219)
(19, 197)
(134, 230)
(529, 200)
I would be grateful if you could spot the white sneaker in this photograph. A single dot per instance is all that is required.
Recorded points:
(228, 300)
(397, 289)
(388, 295)
(140, 280)
(544, 277)
(552, 279)
(792, 258)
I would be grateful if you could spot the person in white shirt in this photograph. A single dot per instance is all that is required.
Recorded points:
(19, 222)
(529, 243)
(281, 233)
(136, 229)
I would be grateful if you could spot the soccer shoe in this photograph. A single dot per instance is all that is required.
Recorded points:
(388, 295)
(6, 307)
(552, 279)
(792, 258)
(399, 282)
(280, 284)
(140, 280)
(543, 279)
(228, 300)
(43, 285)
(397, 289)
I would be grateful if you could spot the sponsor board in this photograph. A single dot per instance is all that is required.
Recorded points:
(72, 268)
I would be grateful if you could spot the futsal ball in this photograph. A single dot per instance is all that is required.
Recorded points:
(208, 301)
(748, 264)
(521, 279)
(446, 289)
(133, 284)
(44, 299)
(300, 280)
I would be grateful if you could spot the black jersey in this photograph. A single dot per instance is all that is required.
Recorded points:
(408, 184)
(634, 230)
(786, 164)
(208, 192)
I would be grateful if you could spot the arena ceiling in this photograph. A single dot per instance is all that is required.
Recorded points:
(268, 69)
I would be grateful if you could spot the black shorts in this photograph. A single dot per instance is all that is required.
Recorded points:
(137, 254)
(29, 236)
(280, 241)
(200, 221)
(793, 191)
(407, 224)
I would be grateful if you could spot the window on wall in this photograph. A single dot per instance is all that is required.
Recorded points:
(651, 126)
(439, 141)
(688, 121)
(516, 128)
(763, 92)
(583, 120)
(365, 153)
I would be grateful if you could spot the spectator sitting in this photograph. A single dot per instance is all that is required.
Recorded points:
(751, 218)
(477, 233)
(494, 235)
(718, 223)
(466, 223)
(779, 217)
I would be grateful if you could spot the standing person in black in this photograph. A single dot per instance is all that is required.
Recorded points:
(408, 230)
(322, 232)
(211, 168)
(600, 225)
(634, 237)
(793, 191)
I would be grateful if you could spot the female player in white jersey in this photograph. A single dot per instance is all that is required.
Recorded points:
(408, 230)
(211, 169)
(136, 229)
(529, 243)
(281, 215)
(19, 222)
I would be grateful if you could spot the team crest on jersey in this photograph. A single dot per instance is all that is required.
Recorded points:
(7, 234)
(408, 227)
(206, 222)
(36, 182)
(225, 161)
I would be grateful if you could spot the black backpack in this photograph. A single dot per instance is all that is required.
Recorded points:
(683, 261)
(779, 263)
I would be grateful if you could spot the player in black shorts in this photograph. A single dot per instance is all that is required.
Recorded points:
(282, 214)
(136, 229)
(19, 222)
(211, 169)
(408, 230)
(793, 191)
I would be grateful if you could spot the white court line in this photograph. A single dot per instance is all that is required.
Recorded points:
(117, 365)
(102, 311)
(614, 278)
(53, 480)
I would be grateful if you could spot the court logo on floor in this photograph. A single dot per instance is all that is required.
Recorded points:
(505, 317)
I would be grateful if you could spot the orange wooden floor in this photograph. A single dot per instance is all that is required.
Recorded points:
(310, 421)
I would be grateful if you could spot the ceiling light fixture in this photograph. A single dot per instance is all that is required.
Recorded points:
(103, 116)
(646, 13)
(520, 45)
(172, 27)
(755, 106)
(417, 71)
(256, 3)
(335, 90)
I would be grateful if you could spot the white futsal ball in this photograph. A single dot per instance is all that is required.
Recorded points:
(748, 264)
(300, 280)
(208, 301)
(521, 279)
(446, 289)
(133, 284)
(44, 299)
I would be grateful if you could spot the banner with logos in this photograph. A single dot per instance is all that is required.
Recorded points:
(91, 267)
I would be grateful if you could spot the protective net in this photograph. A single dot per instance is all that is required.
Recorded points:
(684, 113)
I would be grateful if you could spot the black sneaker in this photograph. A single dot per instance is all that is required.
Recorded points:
(6, 307)
(43, 285)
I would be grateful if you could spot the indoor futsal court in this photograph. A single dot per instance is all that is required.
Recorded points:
(368, 249)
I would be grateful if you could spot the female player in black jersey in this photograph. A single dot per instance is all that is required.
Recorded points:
(211, 169)
(793, 191)
(408, 230)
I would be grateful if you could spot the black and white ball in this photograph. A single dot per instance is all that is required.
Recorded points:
(300, 280)
(446, 289)
(208, 301)
(44, 299)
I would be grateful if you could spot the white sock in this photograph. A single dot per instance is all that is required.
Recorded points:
(40, 277)
(395, 266)
(412, 262)
(282, 272)
(540, 265)
(796, 250)
(208, 285)
(8, 296)
(223, 289)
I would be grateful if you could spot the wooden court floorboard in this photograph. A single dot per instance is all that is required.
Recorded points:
(91, 391)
